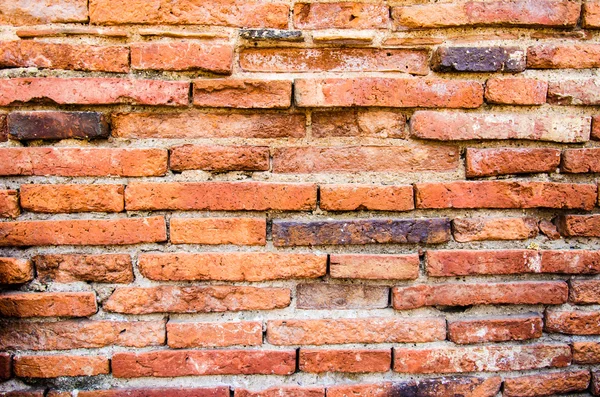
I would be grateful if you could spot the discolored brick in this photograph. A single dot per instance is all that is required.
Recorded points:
(478, 59)
(27, 126)
(374, 267)
(341, 296)
(67, 268)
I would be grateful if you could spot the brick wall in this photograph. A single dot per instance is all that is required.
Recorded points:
(279, 198)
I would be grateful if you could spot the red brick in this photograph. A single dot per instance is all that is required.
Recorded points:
(219, 298)
(559, 13)
(573, 92)
(595, 134)
(219, 158)
(18, 12)
(584, 291)
(28, 393)
(363, 123)
(350, 361)
(340, 15)
(3, 128)
(283, 391)
(366, 197)
(234, 13)
(72, 198)
(55, 366)
(169, 363)
(84, 232)
(591, 14)
(64, 161)
(9, 204)
(446, 126)
(15, 271)
(335, 59)
(388, 92)
(221, 334)
(27, 126)
(448, 359)
(595, 383)
(502, 161)
(30, 53)
(549, 229)
(67, 268)
(482, 229)
(578, 161)
(341, 296)
(495, 329)
(355, 330)
(552, 56)
(374, 267)
(238, 93)
(545, 384)
(409, 158)
(5, 366)
(157, 392)
(586, 352)
(516, 91)
(182, 55)
(573, 322)
(459, 294)
(212, 231)
(48, 304)
(231, 266)
(221, 196)
(93, 91)
(194, 124)
(579, 225)
(65, 335)
(505, 194)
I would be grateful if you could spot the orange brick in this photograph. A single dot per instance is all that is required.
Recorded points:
(366, 197)
(551, 56)
(374, 267)
(211, 231)
(516, 91)
(341, 15)
(238, 93)
(283, 391)
(59, 11)
(221, 334)
(576, 322)
(350, 361)
(547, 384)
(498, 329)
(579, 225)
(15, 271)
(221, 391)
(9, 204)
(55, 366)
(219, 158)
(577, 161)
(591, 14)
(48, 304)
(586, 352)
(362, 123)
(492, 162)
(72, 198)
(67, 268)
(573, 92)
(182, 55)
(584, 291)
(481, 229)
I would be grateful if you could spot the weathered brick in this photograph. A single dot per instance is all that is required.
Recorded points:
(458, 294)
(271, 35)
(579, 225)
(591, 14)
(478, 59)
(30, 53)
(496, 329)
(27, 126)
(62, 31)
(72, 198)
(234, 13)
(341, 296)
(221, 196)
(169, 363)
(505, 194)
(219, 158)
(67, 268)
(15, 271)
(349, 123)
(586, 352)
(48, 304)
(55, 366)
(26, 393)
(549, 229)
(388, 92)
(211, 231)
(578, 161)
(412, 61)
(221, 391)
(9, 204)
(584, 291)
(239, 93)
(194, 124)
(22, 12)
(182, 335)
(350, 361)
(552, 56)
(595, 383)
(574, 92)
(374, 267)
(516, 91)
(231, 266)
(283, 391)
(569, 261)
(545, 384)
(5, 366)
(366, 197)
(219, 298)
(3, 128)
(482, 229)
(448, 359)
(355, 330)
(182, 55)
(595, 133)
(502, 161)
(408, 158)
(84, 232)
(64, 161)
(65, 335)
(575, 322)
(341, 15)
(361, 231)
(93, 91)
(446, 126)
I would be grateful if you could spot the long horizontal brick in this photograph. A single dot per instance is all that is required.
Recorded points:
(553, 56)
(516, 91)
(591, 14)
(448, 359)
(363, 123)
(236, 13)
(584, 291)
(340, 15)
(31, 53)
(547, 384)
(211, 231)
(341, 296)
(9, 204)
(15, 271)
(57, 125)
(25, 393)
(579, 225)
(586, 352)
(93, 91)
(350, 361)
(27, 13)
(335, 60)
(48, 304)
(219, 158)
(355, 330)
(455, 126)
(84, 232)
(240, 93)
(62, 161)
(478, 59)
(574, 92)
(577, 161)
(502, 161)
(466, 386)
(221, 196)
(361, 231)
(288, 391)
(66, 335)
(203, 362)
(55, 366)
(481, 229)
(220, 391)
(388, 92)
(575, 322)
(66, 268)
(72, 198)
(231, 266)
(409, 158)
(194, 124)
(164, 299)
(457, 294)
(181, 56)
(495, 329)
(505, 194)
(182, 335)
(374, 267)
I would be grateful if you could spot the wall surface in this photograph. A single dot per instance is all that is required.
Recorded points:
(280, 198)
